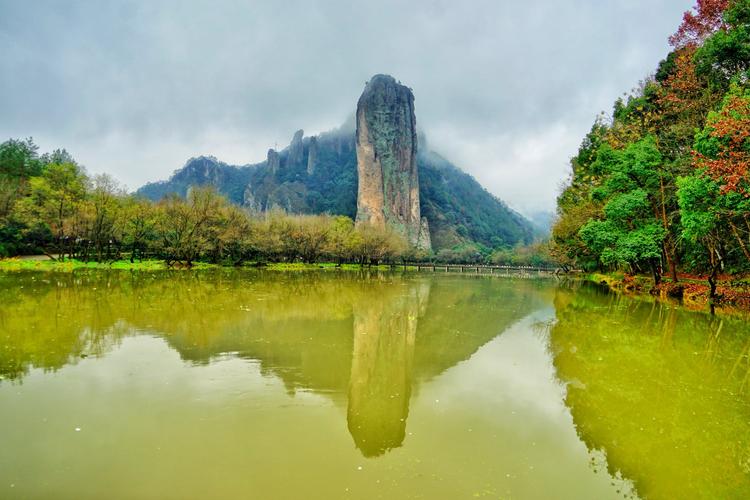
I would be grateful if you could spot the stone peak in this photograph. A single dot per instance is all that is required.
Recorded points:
(382, 77)
(381, 80)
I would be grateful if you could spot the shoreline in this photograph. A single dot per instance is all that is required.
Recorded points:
(14, 264)
(46, 264)
(690, 292)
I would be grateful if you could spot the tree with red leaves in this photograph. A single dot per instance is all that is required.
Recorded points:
(697, 25)
(723, 147)
(682, 90)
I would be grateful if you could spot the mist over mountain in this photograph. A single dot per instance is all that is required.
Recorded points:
(458, 209)
(319, 174)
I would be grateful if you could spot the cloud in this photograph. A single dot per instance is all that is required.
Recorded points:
(505, 89)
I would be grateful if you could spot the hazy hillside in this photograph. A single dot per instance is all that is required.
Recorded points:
(319, 175)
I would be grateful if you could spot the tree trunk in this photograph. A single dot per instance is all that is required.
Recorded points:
(656, 272)
(712, 288)
(716, 264)
(668, 246)
(739, 240)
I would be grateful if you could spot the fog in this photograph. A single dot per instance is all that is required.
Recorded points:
(505, 90)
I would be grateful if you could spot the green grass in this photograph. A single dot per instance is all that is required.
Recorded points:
(16, 264)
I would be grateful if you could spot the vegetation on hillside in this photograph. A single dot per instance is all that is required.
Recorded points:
(663, 186)
(460, 212)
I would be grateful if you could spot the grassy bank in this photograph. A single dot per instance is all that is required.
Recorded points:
(21, 264)
(690, 291)
(17, 264)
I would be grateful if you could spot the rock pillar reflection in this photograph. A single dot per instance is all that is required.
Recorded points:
(385, 329)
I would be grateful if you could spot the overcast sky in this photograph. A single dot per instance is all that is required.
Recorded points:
(506, 90)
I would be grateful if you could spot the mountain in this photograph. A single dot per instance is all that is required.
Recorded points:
(228, 179)
(388, 180)
(542, 221)
(320, 175)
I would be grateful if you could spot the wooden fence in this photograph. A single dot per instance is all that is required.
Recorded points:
(476, 268)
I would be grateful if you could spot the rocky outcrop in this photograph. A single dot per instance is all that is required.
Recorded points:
(366, 169)
(381, 375)
(386, 139)
(249, 201)
(296, 150)
(288, 197)
(425, 241)
(272, 161)
(312, 155)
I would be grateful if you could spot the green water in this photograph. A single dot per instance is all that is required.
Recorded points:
(227, 384)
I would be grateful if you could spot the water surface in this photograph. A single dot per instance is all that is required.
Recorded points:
(229, 384)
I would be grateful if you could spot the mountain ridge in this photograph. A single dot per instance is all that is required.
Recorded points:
(374, 169)
(459, 210)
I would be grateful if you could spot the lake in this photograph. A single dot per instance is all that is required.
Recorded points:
(253, 384)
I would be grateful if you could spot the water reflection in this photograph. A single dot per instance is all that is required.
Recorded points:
(662, 391)
(615, 396)
(382, 364)
(368, 337)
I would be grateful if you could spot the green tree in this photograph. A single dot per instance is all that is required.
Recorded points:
(630, 232)
(726, 54)
(139, 226)
(53, 200)
(183, 224)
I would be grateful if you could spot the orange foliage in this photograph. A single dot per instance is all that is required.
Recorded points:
(698, 25)
(682, 90)
(731, 126)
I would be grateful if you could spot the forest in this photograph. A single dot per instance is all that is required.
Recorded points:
(662, 186)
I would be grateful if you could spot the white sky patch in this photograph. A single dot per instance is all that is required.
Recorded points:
(525, 168)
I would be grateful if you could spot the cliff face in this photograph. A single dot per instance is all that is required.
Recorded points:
(369, 169)
(312, 155)
(296, 150)
(388, 181)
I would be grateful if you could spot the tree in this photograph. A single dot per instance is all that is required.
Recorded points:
(338, 247)
(228, 234)
(19, 161)
(311, 236)
(704, 222)
(726, 53)
(714, 199)
(575, 205)
(722, 148)
(139, 226)
(183, 224)
(705, 19)
(234, 236)
(630, 232)
(371, 245)
(53, 200)
(105, 223)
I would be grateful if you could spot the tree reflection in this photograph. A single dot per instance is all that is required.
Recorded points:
(659, 389)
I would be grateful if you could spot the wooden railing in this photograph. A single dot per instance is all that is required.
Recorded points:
(476, 268)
